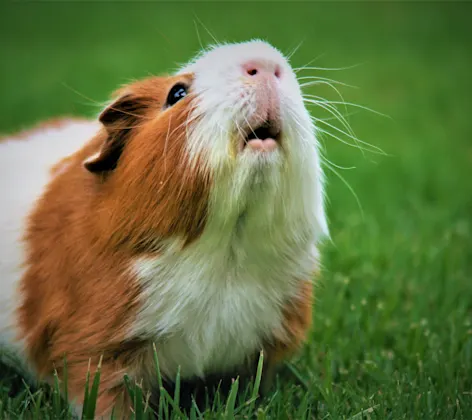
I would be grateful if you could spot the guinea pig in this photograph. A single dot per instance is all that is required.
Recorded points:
(186, 219)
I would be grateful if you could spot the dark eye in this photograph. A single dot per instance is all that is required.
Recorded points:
(176, 94)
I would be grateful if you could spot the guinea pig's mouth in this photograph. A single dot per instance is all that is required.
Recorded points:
(263, 138)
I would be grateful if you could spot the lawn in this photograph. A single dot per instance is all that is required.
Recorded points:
(392, 334)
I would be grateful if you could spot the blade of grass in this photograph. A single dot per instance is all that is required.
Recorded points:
(177, 388)
(293, 370)
(257, 380)
(128, 386)
(86, 390)
(89, 410)
(216, 399)
(161, 406)
(231, 401)
(138, 402)
(147, 408)
(197, 410)
(37, 408)
(156, 365)
(56, 396)
(193, 413)
(65, 390)
(30, 394)
(170, 401)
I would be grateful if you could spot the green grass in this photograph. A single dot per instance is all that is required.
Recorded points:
(392, 336)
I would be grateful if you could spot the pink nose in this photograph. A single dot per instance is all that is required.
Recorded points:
(263, 76)
(261, 70)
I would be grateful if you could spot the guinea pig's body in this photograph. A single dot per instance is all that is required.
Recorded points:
(187, 217)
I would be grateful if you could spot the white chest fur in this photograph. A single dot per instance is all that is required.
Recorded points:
(211, 305)
(206, 317)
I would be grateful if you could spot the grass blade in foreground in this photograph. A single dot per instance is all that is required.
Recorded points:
(89, 408)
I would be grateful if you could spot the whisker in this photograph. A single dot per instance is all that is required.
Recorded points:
(165, 144)
(92, 101)
(207, 30)
(345, 168)
(326, 105)
(198, 35)
(186, 122)
(249, 125)
(321, 99)
(238, 128)
(350, 114)
(348, 186)
(323, 103)
(336, 113)
(332, 110)
(361, 107)
(129, 127)
(357, 146)
(191, 116)
(130, 114)
(354, 137)
(289, 56)
(323, 82)
(326, 79)
(307, 64)
(328, 68)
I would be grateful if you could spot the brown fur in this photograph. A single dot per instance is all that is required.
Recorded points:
(287, 341)
(297, 322)
(79, 298)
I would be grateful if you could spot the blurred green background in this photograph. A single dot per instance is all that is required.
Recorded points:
(393, 320)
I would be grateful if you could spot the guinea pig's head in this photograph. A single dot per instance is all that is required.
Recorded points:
(250, 101)
(225, 135)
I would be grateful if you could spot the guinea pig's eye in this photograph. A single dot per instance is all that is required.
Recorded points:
(177, 92)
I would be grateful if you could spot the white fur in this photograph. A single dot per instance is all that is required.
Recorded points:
(211, 305)
(25, 165)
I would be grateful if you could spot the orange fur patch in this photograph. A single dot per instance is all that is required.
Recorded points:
(79, 297)
(297, 321)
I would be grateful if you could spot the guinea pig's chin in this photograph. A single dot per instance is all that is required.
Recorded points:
(256, 152)
(259, 159)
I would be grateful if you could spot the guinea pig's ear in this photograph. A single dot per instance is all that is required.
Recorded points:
(119, 118)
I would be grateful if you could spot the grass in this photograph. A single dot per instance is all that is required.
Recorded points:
(392, 336)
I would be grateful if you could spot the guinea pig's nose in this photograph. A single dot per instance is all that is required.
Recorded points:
(259, 69)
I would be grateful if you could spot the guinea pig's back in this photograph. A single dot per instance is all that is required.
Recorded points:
(27, 163)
